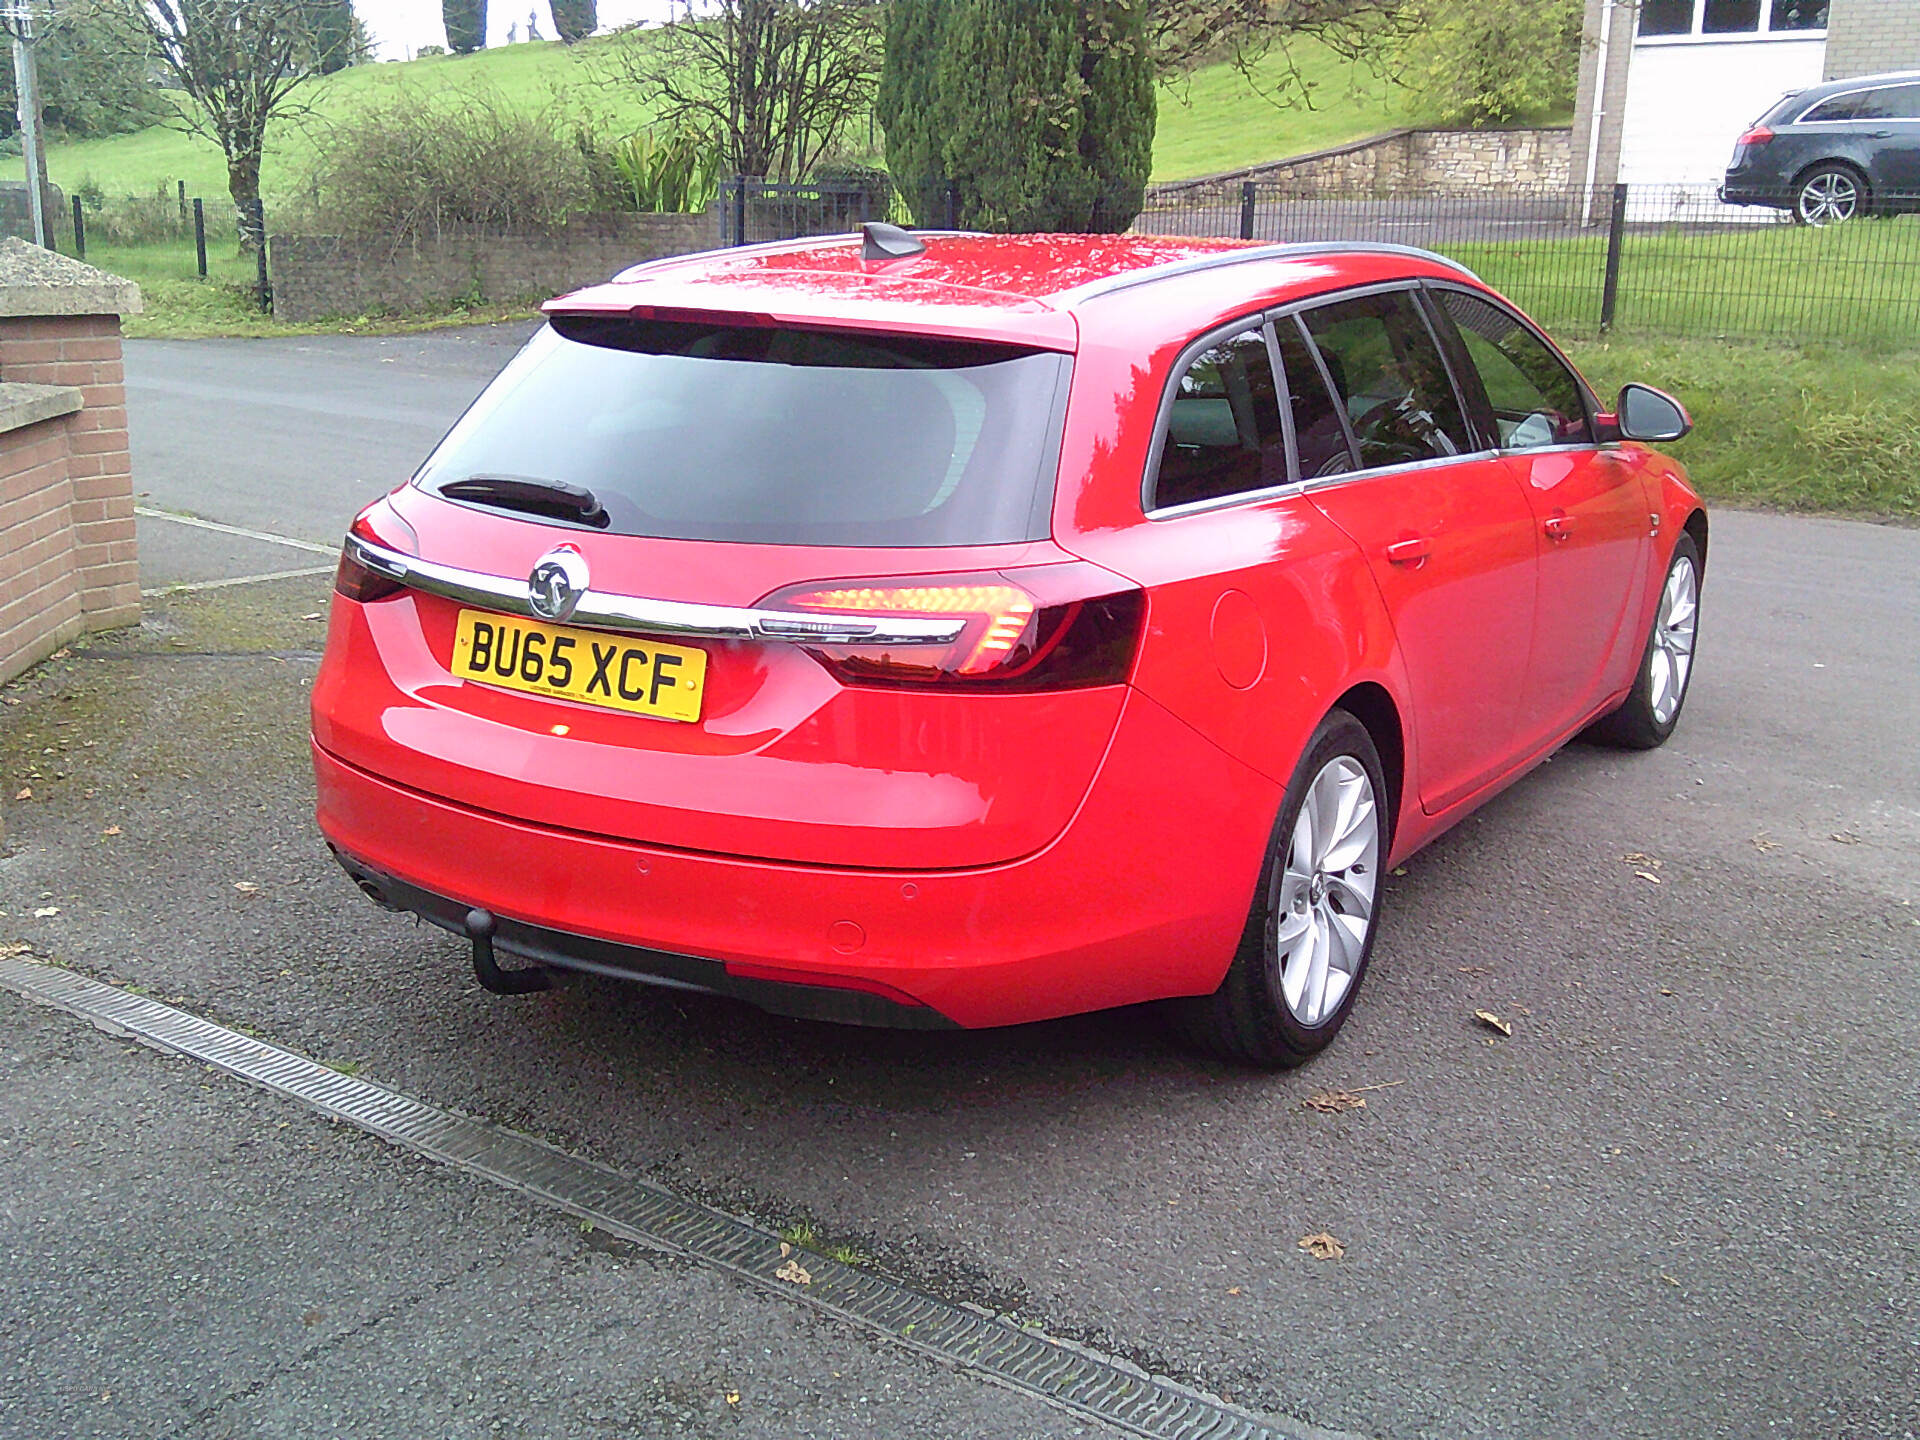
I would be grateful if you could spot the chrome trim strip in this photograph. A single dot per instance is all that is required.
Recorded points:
(633, 614)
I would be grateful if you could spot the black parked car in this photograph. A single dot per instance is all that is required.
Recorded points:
(1834, 151)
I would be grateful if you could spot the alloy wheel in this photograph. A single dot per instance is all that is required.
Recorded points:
(1320, 908)
(1829, 198)
(1670, 661)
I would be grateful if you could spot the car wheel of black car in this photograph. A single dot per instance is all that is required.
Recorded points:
(1310, 932)
(1830, 194)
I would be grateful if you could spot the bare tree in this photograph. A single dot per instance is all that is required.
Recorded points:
(237, 65)
(775, 82)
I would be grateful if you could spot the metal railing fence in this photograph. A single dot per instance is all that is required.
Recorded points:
(1649, 259)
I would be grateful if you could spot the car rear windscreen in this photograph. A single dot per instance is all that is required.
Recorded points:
(692, 431)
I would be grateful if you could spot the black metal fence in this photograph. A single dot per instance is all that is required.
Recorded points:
(1652, 259)
(752, 211)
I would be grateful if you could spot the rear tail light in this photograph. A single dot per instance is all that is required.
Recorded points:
(1758, 135)
(1048, 627)
(356, 581)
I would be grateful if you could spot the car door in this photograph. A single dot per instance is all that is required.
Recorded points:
(1590, 505)
(1893, 138)
(1443, 524)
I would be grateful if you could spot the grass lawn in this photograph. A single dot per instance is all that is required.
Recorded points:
(1831, 428)
(1208, 121)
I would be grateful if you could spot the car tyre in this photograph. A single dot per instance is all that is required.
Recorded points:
(1651, 710)
(1830, 194)
(1310, 931)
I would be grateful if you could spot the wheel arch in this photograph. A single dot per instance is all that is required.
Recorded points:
(1373, 705)
(1834, 162)
(1696, 526)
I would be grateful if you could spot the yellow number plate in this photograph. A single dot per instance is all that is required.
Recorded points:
(619, 672)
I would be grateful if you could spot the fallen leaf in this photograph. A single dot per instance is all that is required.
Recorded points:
(11, 948)
(1233, 1289)
(1332, 1102)
(60, 655)
(1665, 991)
(733, 1397)
(1322, 1246)
(111, 830)
(1399, 870)
(1493, 1021)
(792, 1271)
(246, 887)
(1648, 875)
(1764, 842)
(25, 792)
(1844, 837)
(46, 912)
(1636, 858)
(785, 1249)
(1668, 1278)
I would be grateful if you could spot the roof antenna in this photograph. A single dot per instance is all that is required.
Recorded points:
(881, 241)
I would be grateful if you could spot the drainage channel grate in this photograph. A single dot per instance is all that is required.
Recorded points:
(1062, 1375)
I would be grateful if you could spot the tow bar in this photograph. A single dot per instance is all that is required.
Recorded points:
(535, 978)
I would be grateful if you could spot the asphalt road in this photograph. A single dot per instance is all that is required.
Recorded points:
(1682, 1199)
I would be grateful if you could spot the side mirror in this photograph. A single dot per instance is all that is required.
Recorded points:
(1645, 413)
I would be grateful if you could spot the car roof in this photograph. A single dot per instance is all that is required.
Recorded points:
(1026, 289)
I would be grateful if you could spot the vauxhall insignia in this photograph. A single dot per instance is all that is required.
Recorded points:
(558, 581)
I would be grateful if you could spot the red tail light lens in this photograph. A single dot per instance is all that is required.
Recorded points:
(1758, 135)
(1050, 627)
(356, 581)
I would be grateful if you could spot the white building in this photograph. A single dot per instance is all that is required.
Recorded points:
(1667, 86)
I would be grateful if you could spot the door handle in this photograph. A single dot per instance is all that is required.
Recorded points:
(1558, 526)
(1410, 552)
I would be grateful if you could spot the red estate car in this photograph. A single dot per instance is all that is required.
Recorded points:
(963, 630)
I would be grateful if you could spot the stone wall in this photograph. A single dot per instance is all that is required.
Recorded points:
(1402, 162)
(1869, 37)
(67, 558)
(317, 277)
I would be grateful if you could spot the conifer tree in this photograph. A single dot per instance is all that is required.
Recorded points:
(466, 22)
(574, 19)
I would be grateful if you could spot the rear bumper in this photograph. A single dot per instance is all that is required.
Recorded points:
(1142, 897)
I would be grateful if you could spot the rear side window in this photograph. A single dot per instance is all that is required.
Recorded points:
(1388, 374)
(1223, 427)
(706, 432)
(1536, 402)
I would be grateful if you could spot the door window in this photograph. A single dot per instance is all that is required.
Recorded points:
(1388, 374)
(1535, 399)
(1223, 429)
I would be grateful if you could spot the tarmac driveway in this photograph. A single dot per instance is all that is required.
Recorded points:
(1681, 1198)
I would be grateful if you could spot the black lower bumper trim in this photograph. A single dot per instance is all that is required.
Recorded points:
(562, 951)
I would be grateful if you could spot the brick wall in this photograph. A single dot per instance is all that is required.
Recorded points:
(1867, 37)
(67, 557)
(1439, 162)
(315, 277)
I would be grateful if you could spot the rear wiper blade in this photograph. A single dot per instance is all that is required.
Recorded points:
(531, 493)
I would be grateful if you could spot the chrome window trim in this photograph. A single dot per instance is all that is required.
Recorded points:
(1898, 82)
(1264, 321)
(638, 615)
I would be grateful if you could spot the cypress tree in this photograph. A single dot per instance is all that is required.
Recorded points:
(466, 22)
(1040, 113)
(574, 19)
(907, 102)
